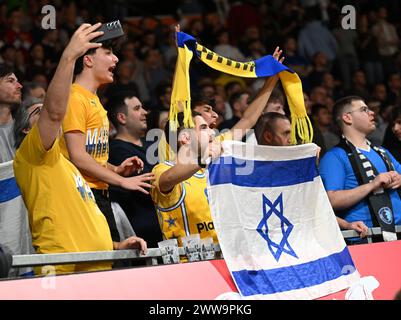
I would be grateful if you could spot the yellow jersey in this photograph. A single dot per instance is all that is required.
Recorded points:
(185, 209)
(63, 214)
(86, 114)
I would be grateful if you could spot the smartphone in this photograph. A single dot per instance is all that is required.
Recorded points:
(111, 30)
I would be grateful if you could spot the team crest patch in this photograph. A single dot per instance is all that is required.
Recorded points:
(386, 215)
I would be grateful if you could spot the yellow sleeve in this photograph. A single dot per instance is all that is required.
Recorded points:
(76, 116)
(33, 151)
(165, 200)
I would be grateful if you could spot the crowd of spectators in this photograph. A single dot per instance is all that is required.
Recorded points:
(331, 61)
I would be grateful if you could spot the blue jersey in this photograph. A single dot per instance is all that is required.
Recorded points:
(337, 174)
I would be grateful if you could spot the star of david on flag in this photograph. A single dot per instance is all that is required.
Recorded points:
(270, 209)
(276, 228)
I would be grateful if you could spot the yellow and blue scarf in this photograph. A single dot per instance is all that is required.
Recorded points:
(266, 66)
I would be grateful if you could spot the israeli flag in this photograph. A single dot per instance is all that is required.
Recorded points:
(275, 225)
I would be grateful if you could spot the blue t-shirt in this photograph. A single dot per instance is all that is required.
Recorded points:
(337, 174)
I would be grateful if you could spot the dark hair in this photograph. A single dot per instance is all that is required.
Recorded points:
(79, 63)
(266, 122)
(5, 70)
(28, 86)
(277, 95)
(317, 107)
(200, 100)
(21, 121)
(395, 114)
(162, 88)
(340, 106)
(231, 85)
(235, 97)
(116, 104)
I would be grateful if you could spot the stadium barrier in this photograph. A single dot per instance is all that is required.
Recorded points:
(151, 257)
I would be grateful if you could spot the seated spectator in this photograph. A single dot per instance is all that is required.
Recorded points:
(154, 71)
(239, 102)
(32, 89)
(380, 93)
(361, 180)
(40, 79)
(317, 135)
(256, 50)
(318, 95)
(37, 61)
(128, 116)
(138, 75)
(293, 60)
(394, 88)
(323, 119)
(62, 210)
(392, 137)
(319, 68)
(208, 90)
(163, 93)
(331, 85)
(225, 49)
(125, 72)
(162, 119)
(359, 85)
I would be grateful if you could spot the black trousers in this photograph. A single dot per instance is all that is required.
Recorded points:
(104, 204)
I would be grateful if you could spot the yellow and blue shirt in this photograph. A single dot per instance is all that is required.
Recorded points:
(185, 209)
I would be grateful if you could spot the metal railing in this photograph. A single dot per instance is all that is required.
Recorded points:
(371, 232)
(151, 257)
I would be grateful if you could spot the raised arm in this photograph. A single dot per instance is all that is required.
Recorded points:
(56, 101)
(255, 109)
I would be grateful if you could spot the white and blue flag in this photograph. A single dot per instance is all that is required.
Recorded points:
(276, 227)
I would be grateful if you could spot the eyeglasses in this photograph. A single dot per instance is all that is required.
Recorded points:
(361, 109)
(37, 110)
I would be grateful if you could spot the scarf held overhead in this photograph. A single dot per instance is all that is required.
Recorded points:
(266, 66)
